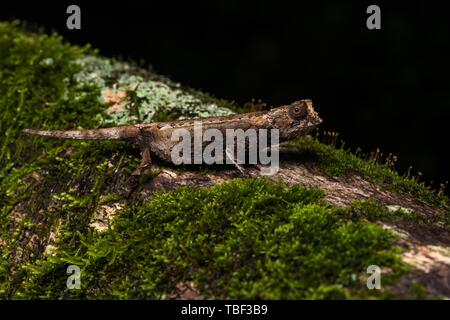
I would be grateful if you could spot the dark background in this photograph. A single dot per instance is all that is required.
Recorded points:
(385, 88)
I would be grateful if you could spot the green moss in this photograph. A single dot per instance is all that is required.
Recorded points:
(44, 180)
(243, 239)
(337, 162)
(37, 88)
(47, 83)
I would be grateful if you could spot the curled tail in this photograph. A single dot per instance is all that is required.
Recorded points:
(115, 133)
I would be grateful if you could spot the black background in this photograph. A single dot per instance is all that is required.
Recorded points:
(385, 88)
(171, 309)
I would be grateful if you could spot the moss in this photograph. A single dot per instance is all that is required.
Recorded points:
(375, 212)
(337, 161)
(47, 83)
(243, 239)
(44, 180)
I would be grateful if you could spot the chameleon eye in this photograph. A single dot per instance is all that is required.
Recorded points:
(298, 111)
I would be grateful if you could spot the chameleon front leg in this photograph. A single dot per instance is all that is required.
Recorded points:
(229, 154)
(135, 178)
(143, 141)
(146, 161)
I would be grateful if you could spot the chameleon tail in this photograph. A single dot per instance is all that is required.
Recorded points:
(115, 133)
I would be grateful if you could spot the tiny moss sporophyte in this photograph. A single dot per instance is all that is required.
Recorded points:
(66, 203)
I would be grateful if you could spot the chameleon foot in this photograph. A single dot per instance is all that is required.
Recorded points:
(244, 173)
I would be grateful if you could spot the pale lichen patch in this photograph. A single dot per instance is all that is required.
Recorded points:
(103, 216)
(150, 94)
(399, 209)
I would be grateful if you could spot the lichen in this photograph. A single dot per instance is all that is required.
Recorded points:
(243, 239)
(144, 96)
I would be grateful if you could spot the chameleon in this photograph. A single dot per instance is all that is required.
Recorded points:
(294, 120)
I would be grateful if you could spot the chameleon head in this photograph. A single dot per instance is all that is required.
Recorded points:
(295, 120)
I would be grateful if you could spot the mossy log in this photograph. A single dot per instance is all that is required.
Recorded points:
(310, 231)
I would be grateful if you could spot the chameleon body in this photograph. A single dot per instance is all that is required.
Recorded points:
(292, 121)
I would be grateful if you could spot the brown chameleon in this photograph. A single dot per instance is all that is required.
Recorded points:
(292, 121)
